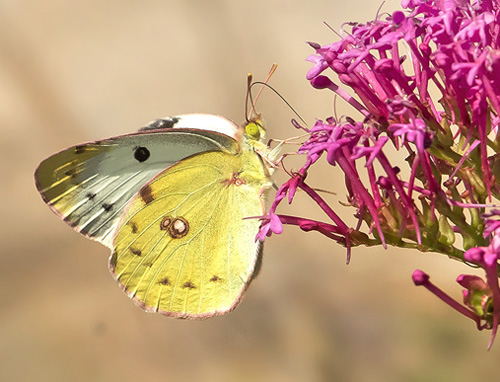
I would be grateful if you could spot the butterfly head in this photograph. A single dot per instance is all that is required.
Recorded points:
(254, 129)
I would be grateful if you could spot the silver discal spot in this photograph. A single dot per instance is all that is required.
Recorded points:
(165, 223)
(176, 227)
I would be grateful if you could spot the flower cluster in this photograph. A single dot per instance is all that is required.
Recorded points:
(426, 83)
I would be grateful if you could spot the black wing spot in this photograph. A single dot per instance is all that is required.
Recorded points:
(146, 194)
(215, 278)
(80, 149)
(73, 175)
(161, 123)
(135, 251)
(71, 172)
(90, 195)
(107, 207)
(133, 226)
(164, 281)
(189, 284)
(141, 154)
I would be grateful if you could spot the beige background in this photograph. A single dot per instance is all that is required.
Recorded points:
(73, 71)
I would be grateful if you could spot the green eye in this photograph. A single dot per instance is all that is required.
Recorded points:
(253, 130)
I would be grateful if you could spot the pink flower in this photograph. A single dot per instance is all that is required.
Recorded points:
(427, 83)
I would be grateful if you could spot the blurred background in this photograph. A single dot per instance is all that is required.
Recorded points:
(75, 71)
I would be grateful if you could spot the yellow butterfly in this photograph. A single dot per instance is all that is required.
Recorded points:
(170, 201)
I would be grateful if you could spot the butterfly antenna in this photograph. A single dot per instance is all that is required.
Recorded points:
(248, 95)
(249, 91)
(279, 95)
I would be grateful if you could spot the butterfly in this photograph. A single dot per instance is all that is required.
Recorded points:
(172, 202)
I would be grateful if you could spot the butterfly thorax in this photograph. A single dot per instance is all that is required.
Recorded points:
(254, 168)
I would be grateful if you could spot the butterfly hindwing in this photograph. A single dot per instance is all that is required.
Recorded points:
(89, 185)
(183, 247)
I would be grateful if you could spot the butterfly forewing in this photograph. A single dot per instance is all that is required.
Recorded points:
(89, 185)
(183, 247)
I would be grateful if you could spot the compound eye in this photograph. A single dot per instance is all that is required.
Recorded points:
(252, 129)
